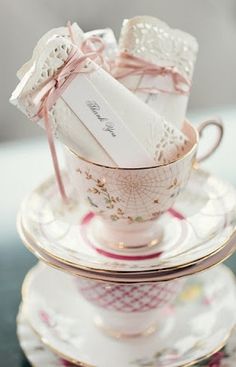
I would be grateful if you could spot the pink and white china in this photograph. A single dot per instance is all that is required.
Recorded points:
(199, 225)
(130, 232)
(129, 202)
(121, 278)
(39, 355)
(117, 307)
(64, 322)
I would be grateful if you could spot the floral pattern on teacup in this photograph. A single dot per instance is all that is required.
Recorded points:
(132, 196)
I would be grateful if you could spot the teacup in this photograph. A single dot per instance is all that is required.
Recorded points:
(129, 310)
(128, 201)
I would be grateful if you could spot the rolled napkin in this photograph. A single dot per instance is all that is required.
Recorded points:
(42, 66)
(73, 32)
(77, 36)
(157, 64)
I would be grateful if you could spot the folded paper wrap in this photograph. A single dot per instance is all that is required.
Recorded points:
(92, 113)
(157, 63)
(74, 31)
(65, 32)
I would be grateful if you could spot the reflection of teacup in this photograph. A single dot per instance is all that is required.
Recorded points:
(128, 201)
(128, 309)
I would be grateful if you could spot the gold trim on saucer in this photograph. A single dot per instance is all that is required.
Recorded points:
(24, 295)
(118, 277)
(33, 242)
(81, 364)
(59, 353)
(212, 353)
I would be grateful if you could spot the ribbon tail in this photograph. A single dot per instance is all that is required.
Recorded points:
(71, 33)
(52, 148)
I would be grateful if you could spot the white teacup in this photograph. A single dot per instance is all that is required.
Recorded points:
(128, 310)
(128, 201)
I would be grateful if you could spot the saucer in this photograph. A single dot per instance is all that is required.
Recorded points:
(64, 322)
(35, 351)
(199, 225)
(39, 355)
(125, 277)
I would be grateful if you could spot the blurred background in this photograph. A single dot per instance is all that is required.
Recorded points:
(212, 22)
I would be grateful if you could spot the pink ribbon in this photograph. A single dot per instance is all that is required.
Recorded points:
(45, 98)
(70, 30)
(133, 65)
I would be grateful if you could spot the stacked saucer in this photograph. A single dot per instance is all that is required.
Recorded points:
(198, 232)
(56, 324)
(40, 355)
(112, 305)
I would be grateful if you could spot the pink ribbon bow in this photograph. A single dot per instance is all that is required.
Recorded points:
(133, 65)
(91, 49)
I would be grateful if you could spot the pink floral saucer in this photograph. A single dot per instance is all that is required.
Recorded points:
(39, 355)
(64, 322)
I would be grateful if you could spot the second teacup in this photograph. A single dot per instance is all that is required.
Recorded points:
(128, 310)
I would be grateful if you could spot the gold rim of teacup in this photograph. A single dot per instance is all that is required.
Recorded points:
(189, 152)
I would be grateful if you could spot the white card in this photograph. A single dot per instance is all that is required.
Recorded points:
(105, 124)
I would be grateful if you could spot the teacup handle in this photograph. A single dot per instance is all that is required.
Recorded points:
(220, 128)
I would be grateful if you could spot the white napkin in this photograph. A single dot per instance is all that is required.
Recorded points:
(148, 138)
(153, 40)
